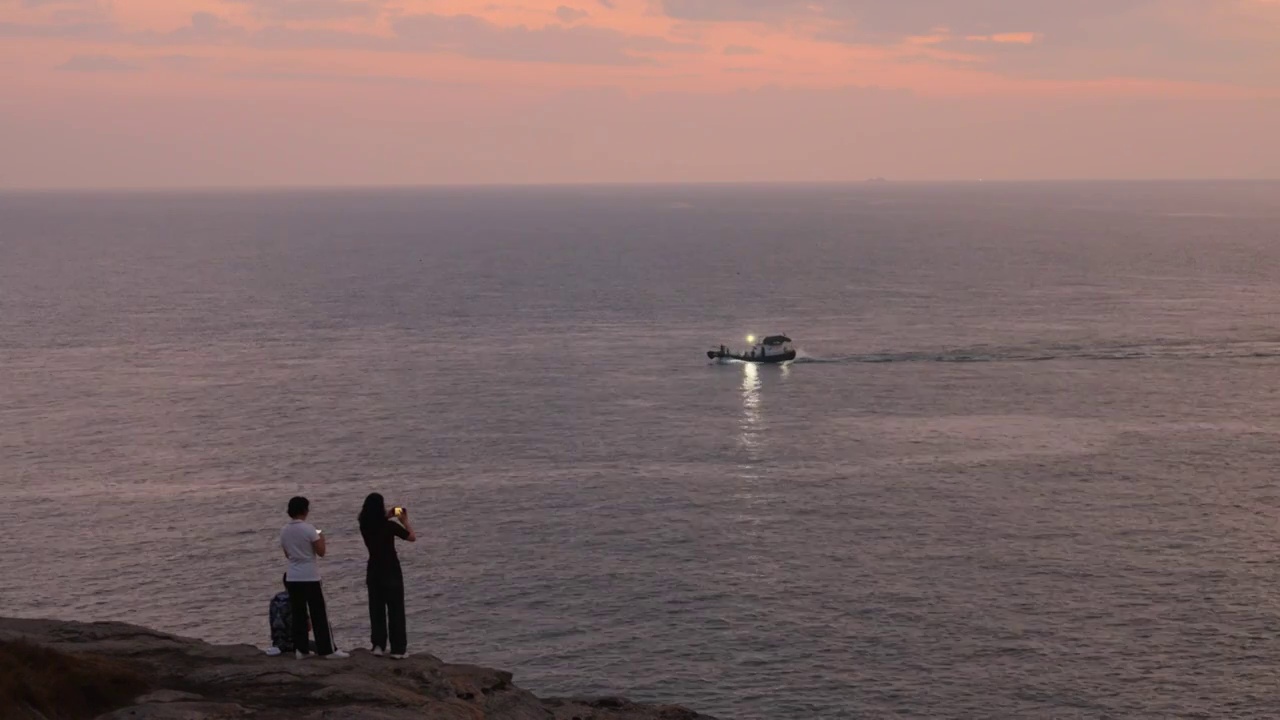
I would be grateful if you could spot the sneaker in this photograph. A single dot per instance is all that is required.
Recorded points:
(377, 652)
(336, 655)
(301, 655)
(399, 656)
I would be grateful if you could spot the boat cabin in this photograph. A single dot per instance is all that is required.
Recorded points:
(772, 345)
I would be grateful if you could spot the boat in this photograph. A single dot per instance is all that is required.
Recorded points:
(772, 349)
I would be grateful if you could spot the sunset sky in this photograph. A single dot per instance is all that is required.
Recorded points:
(350, 92)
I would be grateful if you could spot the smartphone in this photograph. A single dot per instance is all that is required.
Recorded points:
(398, 511)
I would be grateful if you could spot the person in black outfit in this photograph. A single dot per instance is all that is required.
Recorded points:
(380, 528)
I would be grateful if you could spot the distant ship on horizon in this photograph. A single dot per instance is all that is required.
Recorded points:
(877, 179)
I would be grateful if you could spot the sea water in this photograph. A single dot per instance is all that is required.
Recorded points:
(1025, 466)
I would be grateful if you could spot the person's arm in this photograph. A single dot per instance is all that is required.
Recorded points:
(318, 544)
(403, 529)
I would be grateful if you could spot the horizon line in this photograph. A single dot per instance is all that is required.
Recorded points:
(588, 184)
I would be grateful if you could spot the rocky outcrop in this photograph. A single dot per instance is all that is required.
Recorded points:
(193, 680)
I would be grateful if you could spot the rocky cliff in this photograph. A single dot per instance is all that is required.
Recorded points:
(164, 677)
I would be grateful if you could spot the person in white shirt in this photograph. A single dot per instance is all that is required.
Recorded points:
(303, 544)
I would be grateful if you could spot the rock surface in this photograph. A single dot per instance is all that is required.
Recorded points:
(193, 680)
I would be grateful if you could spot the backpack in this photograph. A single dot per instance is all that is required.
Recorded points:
(280, 617)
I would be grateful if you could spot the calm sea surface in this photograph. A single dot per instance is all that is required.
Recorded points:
(1026, 467)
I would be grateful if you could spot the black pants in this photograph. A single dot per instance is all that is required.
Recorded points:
(386, 611)
(304, 597)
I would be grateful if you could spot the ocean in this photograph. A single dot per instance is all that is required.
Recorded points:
(1025, 465)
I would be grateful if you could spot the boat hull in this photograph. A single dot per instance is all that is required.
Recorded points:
(759, 359)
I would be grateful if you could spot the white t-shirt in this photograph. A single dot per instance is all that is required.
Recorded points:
(296, 539)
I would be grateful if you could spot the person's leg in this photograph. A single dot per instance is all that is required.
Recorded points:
(377, 613)
(395, 609)
(298, 615)
(319, 619)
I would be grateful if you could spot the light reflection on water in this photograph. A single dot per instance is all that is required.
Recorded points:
(751, 428)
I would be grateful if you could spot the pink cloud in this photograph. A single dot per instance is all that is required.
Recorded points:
(1013, 38)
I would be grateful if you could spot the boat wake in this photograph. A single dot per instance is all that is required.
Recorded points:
(1156, 350)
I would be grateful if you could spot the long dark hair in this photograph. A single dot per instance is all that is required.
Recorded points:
(373, 512)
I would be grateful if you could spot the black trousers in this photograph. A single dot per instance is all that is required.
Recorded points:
(386, 612)
(306, 597)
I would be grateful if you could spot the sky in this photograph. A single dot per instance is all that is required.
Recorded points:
(179, 93)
